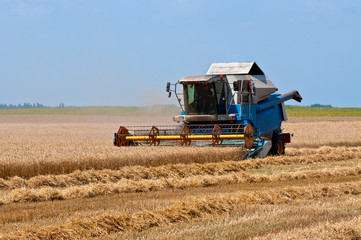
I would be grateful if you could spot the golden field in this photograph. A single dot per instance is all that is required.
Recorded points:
(62, 178)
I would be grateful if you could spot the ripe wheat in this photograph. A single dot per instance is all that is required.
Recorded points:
(183, 211)
(128, 186)
(221, 157)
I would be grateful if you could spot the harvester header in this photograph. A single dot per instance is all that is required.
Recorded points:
(234, 104)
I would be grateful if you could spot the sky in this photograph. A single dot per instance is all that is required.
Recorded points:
(122, 53)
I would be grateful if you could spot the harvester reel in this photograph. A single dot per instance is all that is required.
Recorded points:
(217, 130)
(120, 137)
(232, 133)
(184, 136)
(153, 140)
(248, 137)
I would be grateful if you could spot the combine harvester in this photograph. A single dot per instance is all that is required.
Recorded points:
(234, 104)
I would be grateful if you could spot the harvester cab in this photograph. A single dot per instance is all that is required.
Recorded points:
(234, 104)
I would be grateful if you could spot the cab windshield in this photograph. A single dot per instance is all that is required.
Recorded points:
(200, 98)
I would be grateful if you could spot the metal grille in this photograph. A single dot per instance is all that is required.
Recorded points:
(195, 129)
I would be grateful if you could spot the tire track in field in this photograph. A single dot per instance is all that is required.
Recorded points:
(345, 229)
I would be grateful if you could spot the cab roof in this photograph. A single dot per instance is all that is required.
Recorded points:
(201, 78)
(243, 68)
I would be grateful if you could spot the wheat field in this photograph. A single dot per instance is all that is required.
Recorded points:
(62, 178)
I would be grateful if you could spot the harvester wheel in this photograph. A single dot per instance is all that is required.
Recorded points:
(278, 145)
(248, 136)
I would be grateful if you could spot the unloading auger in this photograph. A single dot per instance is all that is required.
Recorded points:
(234, 104)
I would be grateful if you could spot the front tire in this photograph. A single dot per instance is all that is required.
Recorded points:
(278, 145)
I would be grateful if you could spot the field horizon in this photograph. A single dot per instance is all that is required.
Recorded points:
(170, 110)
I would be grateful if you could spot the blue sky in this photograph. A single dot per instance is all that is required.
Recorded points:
(84, 52)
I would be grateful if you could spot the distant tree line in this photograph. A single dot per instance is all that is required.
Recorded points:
(320, 105)
(26, 105)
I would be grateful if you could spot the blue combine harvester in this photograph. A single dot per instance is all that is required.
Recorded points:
(234, 104)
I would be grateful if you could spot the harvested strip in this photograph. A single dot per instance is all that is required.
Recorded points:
(344, 154)
(321, 150)
(182, 212)
(127, 186)
(174, 170)
(346, 229)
